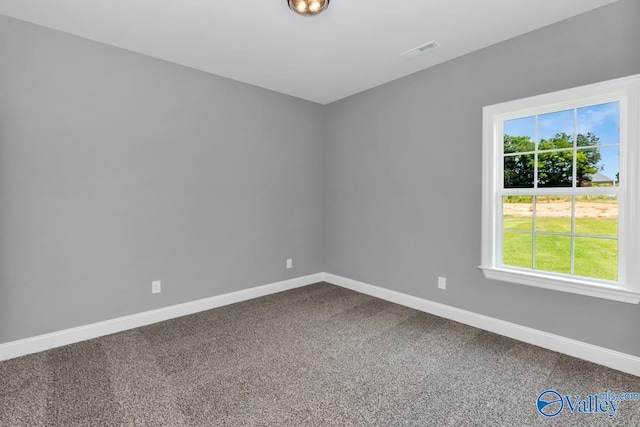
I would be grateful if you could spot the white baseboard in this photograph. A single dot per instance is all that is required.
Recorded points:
(600, 355)
(69, 336)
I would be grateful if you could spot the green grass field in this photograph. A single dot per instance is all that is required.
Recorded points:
(594, 257)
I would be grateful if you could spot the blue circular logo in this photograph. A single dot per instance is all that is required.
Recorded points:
(550, 403)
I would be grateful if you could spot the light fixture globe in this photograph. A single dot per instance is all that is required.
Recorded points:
(308, 7)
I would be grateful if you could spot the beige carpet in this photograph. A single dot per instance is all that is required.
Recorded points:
(318, 355)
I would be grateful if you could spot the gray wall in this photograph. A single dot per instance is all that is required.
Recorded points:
(117, 169)
(404, 174)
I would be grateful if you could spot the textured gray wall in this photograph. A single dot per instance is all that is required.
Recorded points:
(117, 169)
(404, 174)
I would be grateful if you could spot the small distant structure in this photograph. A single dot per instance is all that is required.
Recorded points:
(600, 180)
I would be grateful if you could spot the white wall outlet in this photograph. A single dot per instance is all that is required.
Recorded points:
(289, 263)
(156, 287)
(442, 283)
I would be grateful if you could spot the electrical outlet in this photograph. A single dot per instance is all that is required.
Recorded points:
(156, 287)
(289, 263)
(442, 283)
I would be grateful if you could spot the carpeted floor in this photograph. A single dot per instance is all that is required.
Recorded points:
(318, 355)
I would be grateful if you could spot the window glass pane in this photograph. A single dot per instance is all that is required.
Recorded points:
(556, 125)
(598, 167)
(517, 249)
(555, 169)
(601, 121)
(587, 166)
(519, 134)
(518, 171)
(553, 214)
(517, 213)
(596, 258)
(597, 215)
(553, 253)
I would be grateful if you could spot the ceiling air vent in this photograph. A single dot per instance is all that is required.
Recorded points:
(420, 49)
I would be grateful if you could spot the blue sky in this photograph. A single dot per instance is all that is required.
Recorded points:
(603, 120)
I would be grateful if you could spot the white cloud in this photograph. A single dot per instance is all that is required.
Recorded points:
(590, 118)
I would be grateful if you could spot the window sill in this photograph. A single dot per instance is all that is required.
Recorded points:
(574, 286)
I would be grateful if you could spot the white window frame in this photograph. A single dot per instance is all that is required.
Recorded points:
(627, 91)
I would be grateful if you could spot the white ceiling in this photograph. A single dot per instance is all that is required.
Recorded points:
(353, 46)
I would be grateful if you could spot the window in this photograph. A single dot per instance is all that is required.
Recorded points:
(561, 184)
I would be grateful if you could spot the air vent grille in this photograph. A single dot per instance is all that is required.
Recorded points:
(420, 49)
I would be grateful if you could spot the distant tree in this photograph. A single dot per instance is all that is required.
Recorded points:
(555, 168)
(587, 160)
(519, 168)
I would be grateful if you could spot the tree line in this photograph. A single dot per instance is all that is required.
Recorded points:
(555, 169)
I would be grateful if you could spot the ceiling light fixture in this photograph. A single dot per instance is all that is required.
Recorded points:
(308, 7)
